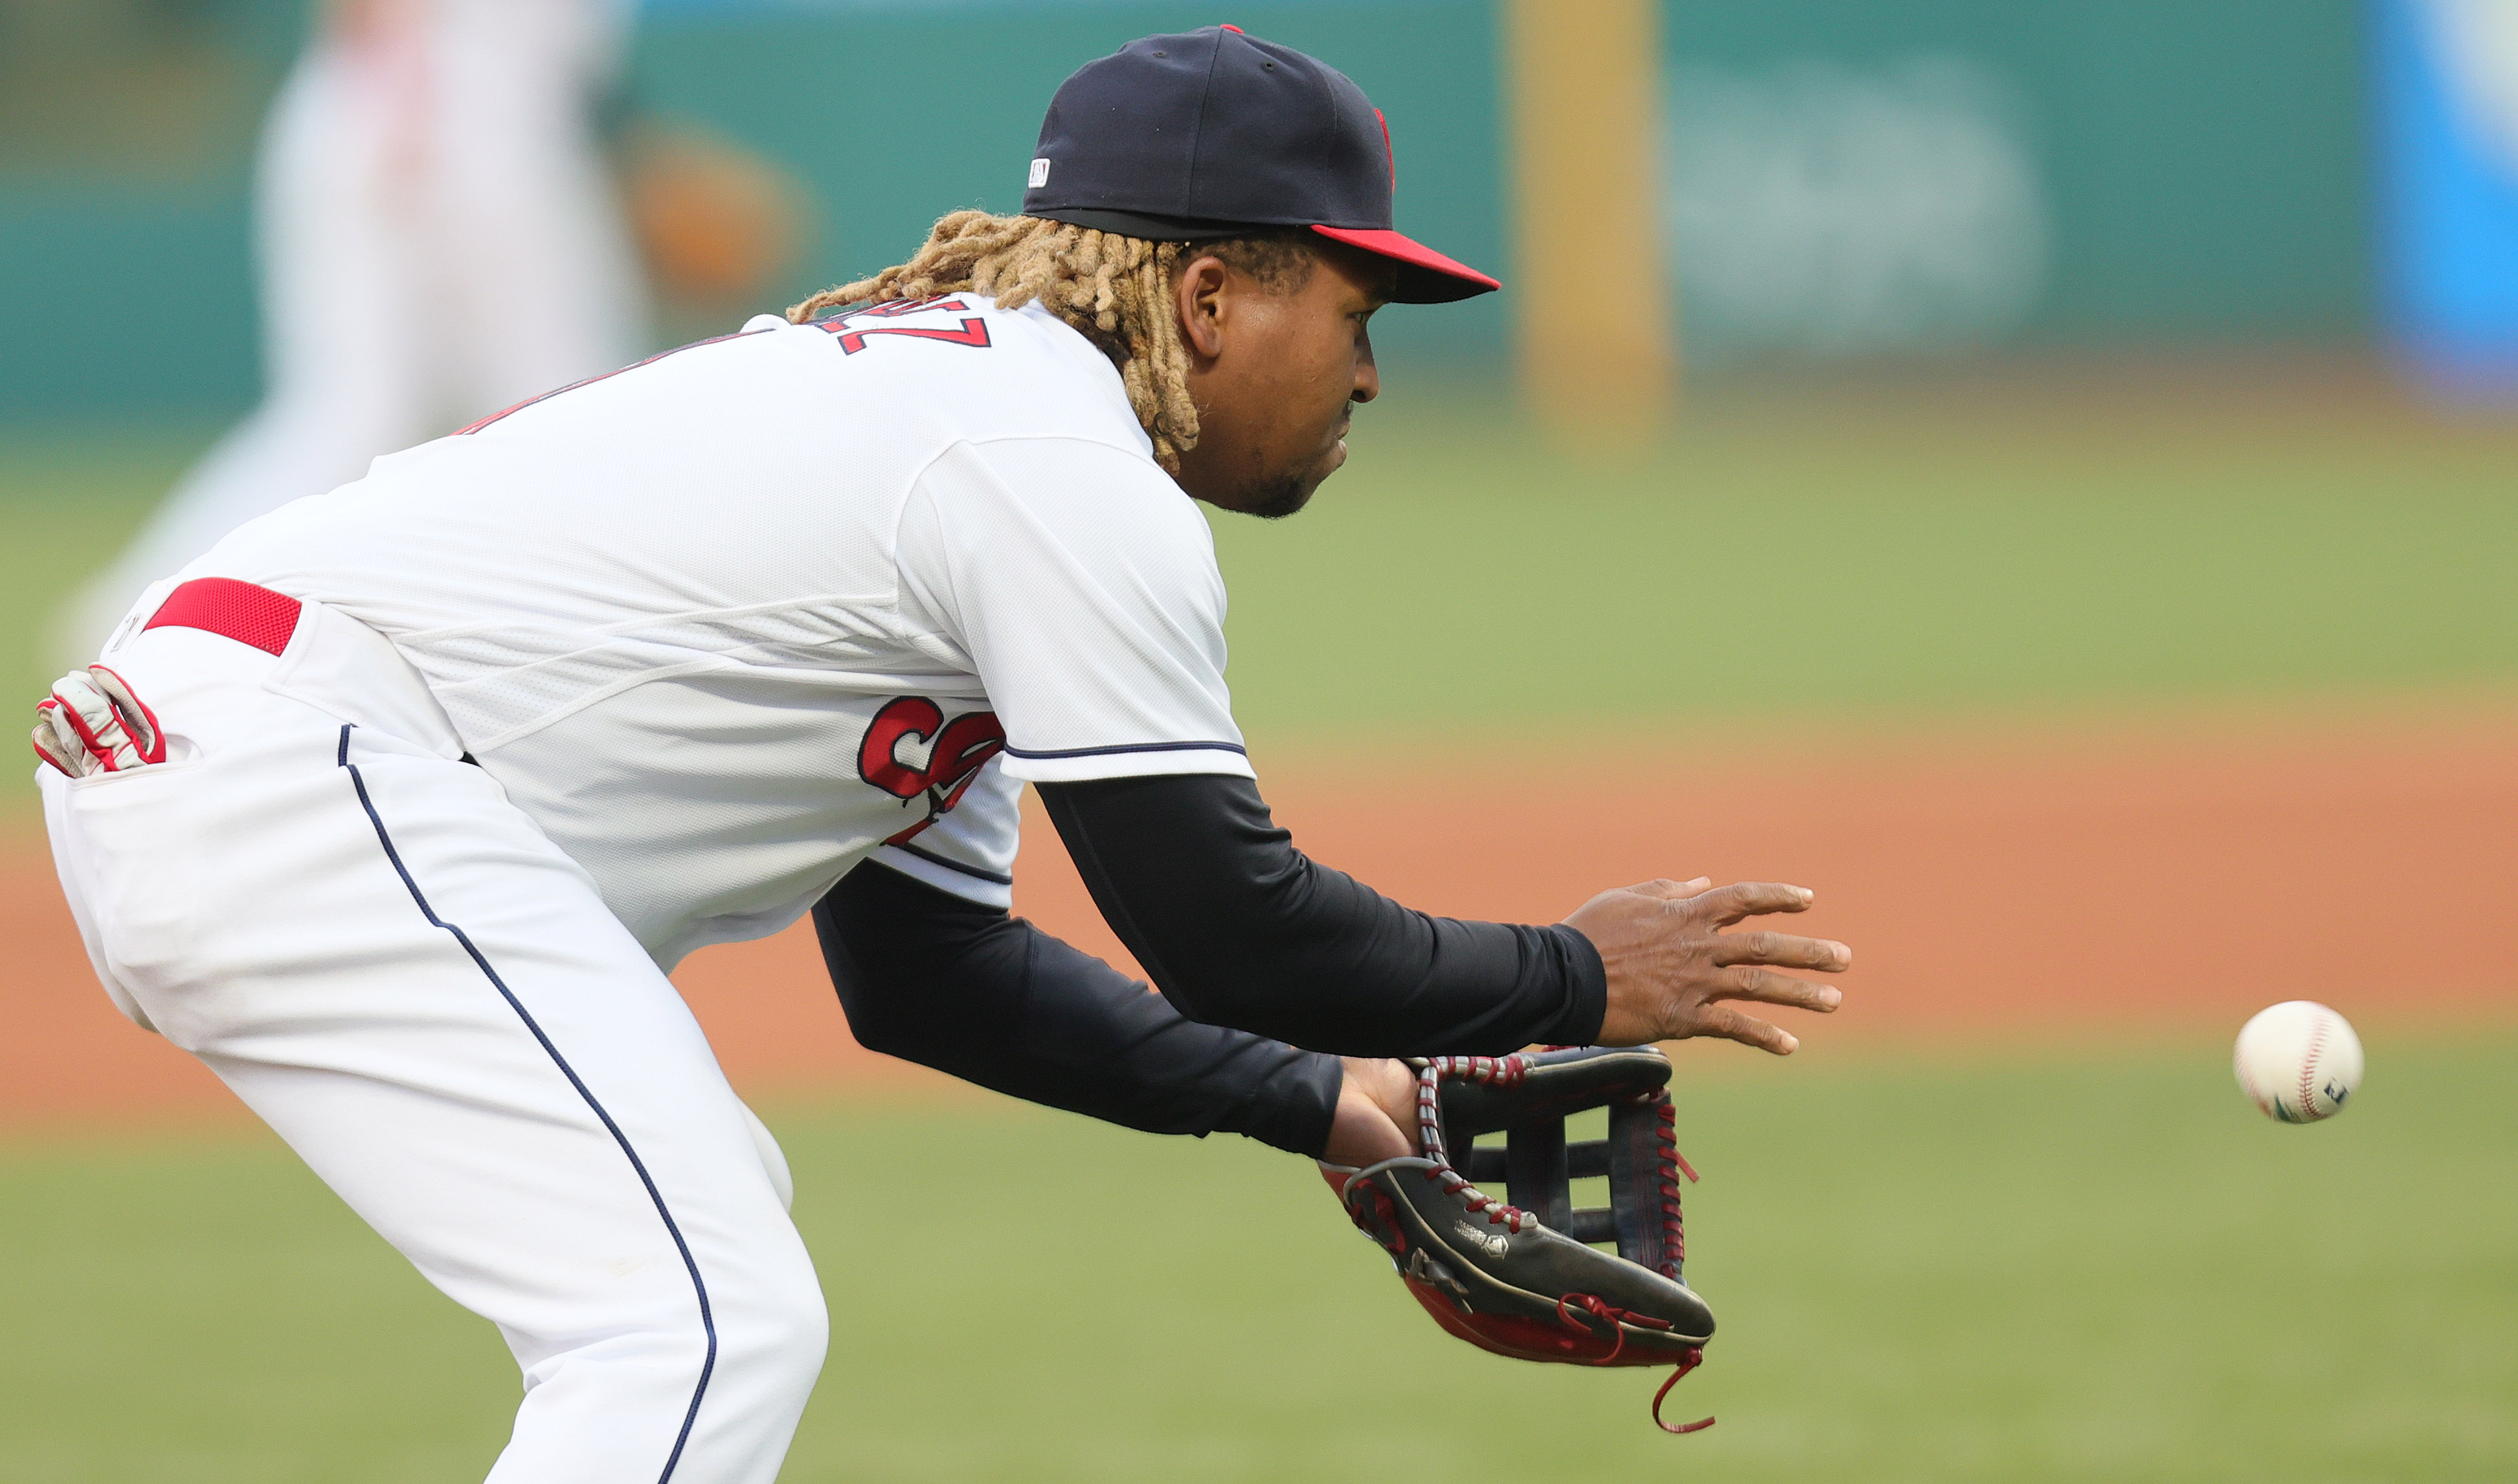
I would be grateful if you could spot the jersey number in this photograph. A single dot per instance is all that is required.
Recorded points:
(956, 752)
(852, 337)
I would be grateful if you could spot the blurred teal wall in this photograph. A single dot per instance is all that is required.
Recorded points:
(128, 286)
(126, 130)
(2203, 163)
(2198, 166)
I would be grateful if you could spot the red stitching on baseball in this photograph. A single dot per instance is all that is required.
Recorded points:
(2308, 1070)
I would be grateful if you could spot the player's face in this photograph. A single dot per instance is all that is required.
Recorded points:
(1276, 375)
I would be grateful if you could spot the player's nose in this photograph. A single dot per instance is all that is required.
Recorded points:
(1367, 379)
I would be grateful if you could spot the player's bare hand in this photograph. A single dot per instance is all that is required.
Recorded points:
(1376, 1112)
(1671, 967)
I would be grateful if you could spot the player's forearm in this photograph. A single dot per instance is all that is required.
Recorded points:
(1239, 929)
(964, 988)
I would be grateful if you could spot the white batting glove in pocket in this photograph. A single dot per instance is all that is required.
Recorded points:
(92, 723)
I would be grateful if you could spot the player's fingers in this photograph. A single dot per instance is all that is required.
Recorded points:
(1731, 1025)
(1672, 891)
(1768, 988)
(1782, 950)
(1724, 905)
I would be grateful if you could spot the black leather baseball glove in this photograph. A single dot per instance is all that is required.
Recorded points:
(1521, 1277)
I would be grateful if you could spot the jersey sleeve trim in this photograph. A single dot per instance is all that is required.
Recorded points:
(987, 889)
(1137, 760)
(1125, 747)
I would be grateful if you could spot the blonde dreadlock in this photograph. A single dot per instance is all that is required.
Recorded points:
(1115, 290)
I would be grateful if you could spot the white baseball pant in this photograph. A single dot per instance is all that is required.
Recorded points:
(428, 1001)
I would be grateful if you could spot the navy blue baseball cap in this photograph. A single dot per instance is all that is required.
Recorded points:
(1211, 133)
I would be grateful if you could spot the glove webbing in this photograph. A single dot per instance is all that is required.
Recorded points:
(1590, 1158)
(1586, 1158)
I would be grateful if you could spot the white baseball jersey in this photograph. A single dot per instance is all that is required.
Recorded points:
(728, 622)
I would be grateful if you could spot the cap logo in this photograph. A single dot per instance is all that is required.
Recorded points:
(1039, 173)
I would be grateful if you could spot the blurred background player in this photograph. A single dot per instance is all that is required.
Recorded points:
(439, 236)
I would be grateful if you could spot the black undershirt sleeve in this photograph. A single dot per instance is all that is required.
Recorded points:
(1237, 928)
(970, 990)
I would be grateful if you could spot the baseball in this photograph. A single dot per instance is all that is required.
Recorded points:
(2299, 1061)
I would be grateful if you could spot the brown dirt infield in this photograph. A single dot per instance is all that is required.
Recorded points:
(2125, 884)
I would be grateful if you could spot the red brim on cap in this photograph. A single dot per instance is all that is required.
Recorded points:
(1426, 277)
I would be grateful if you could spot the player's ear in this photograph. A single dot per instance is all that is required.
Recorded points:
(1199, 299)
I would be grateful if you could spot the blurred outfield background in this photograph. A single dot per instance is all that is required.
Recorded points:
(2083, 550)
(1841, 176)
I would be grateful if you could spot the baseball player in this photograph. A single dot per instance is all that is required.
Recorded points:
(397, 806)
(437, 235)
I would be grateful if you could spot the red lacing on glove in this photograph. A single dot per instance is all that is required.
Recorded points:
(1672, 1164)
(1506, 1071)
(1511, 1218)
(1599, 1308)
(1689, 1362)
(1675, 1236)
(1617, 1318)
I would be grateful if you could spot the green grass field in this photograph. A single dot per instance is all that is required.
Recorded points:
(1927, 1269)
(1853, 564)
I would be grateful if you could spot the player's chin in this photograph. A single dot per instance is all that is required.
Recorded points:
(1277, 498)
